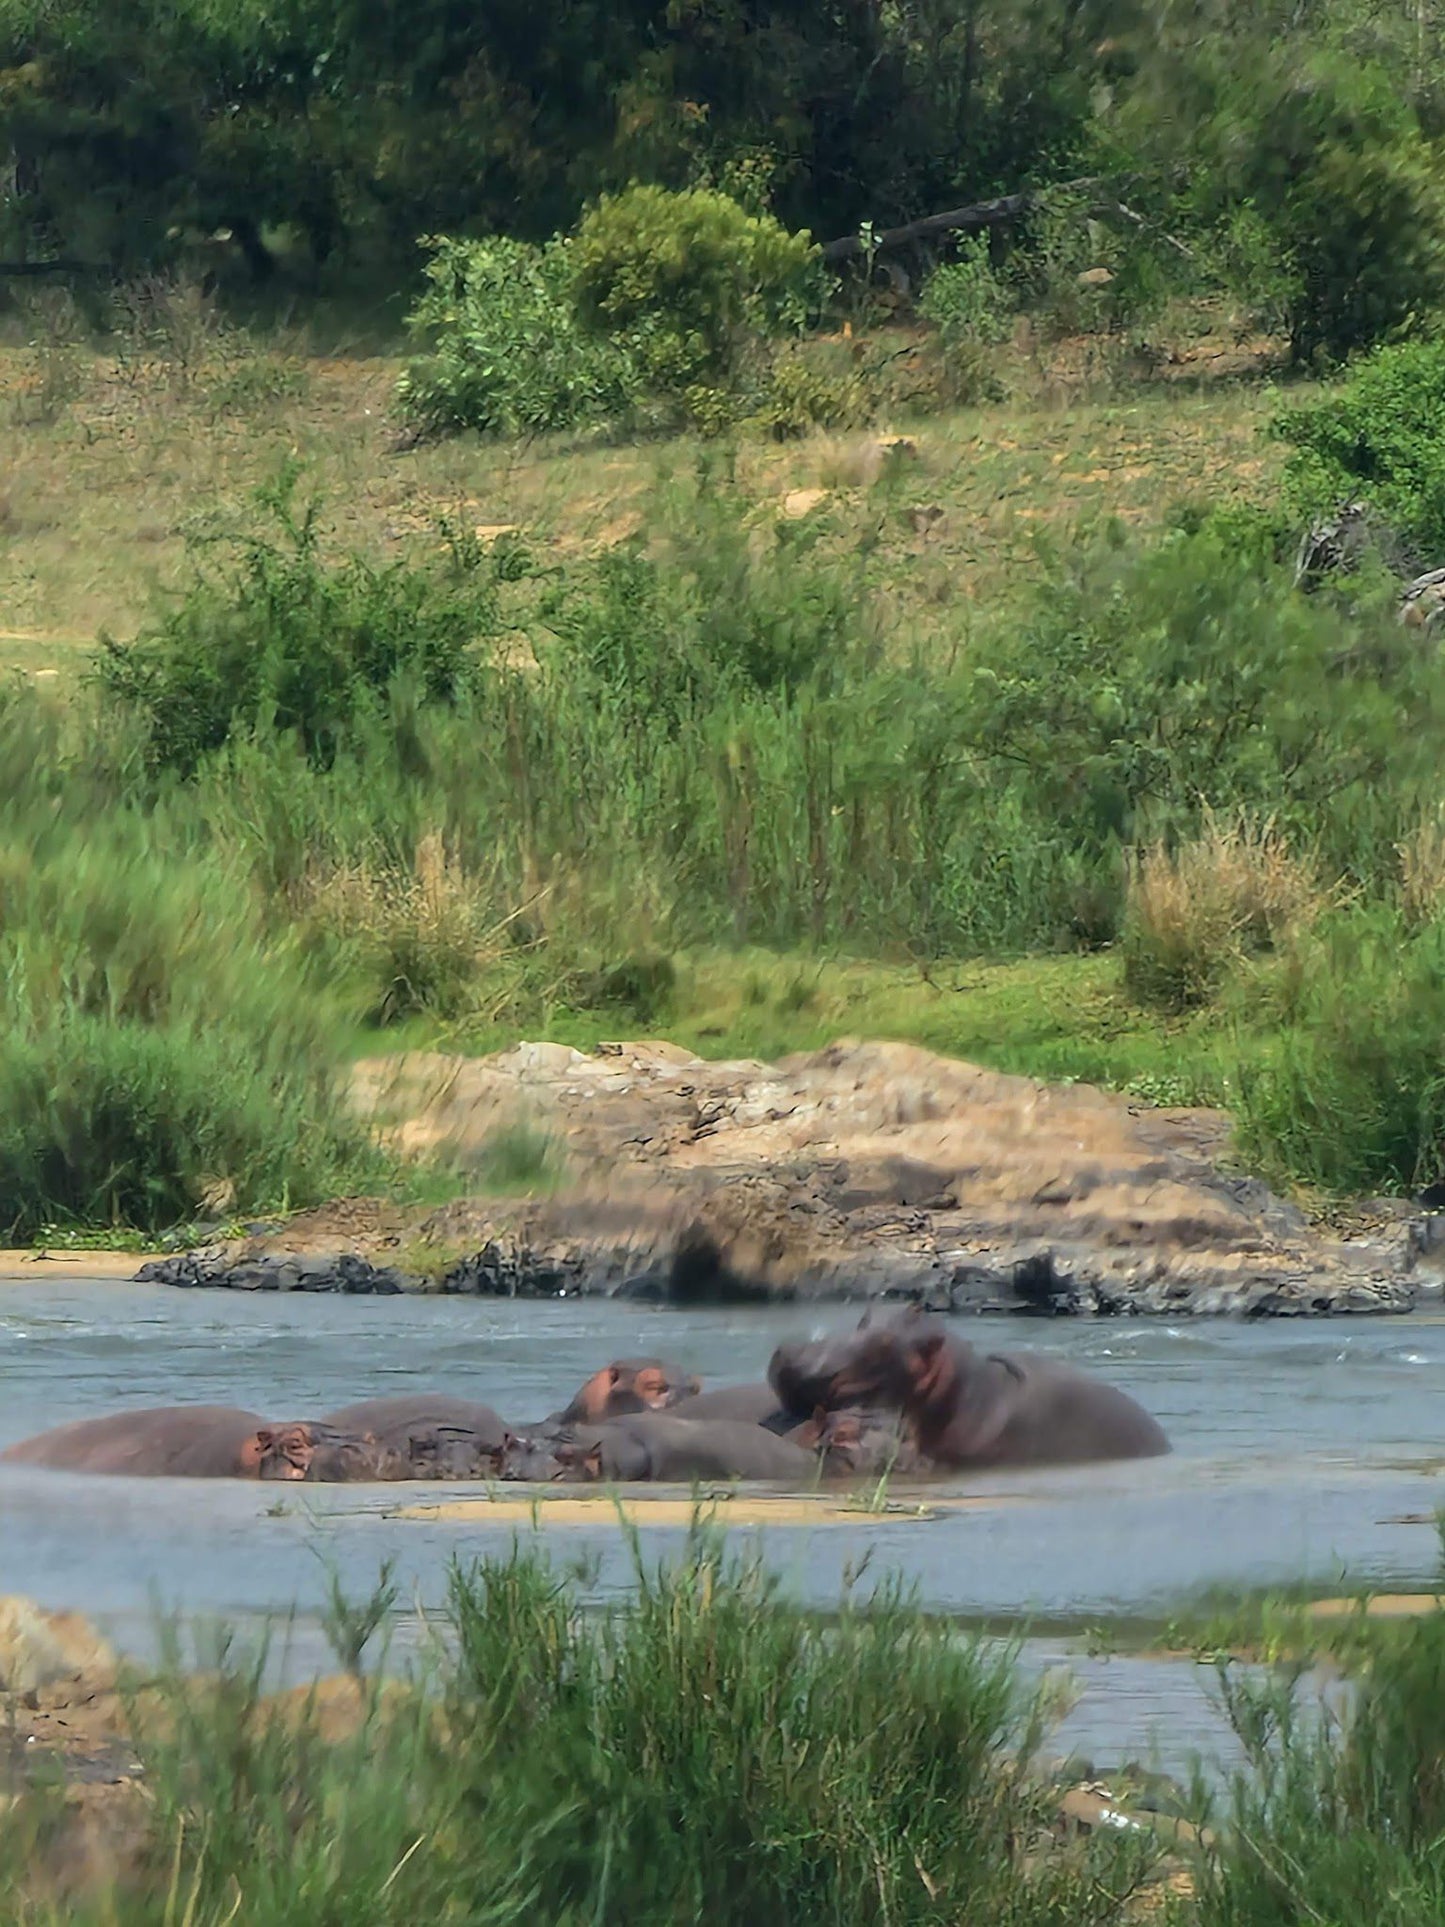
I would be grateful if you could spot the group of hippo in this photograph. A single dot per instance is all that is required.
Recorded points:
(899, 1393)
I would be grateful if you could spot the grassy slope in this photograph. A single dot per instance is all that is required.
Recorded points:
(96, 504)
(100, 495)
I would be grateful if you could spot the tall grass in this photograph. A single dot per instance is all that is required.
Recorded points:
(706, 1752)
(1195, 912)
(160, 1050)
(1342, 1819)
(701, 1753)
(1352, 1095)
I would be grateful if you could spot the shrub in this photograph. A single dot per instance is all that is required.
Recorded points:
(1149, 682)
(1195, 911)
(1352, 1097)
(808, 388)
(1380, 438)
(684, 280)
(509, 356)
(718, 609)
(966, 300)
(279, 641)
(1329, 158)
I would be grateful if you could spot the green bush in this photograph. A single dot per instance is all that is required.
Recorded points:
(509, 356)
(1327, 155)
(714, 614)
(279, 641)
(809, 385)
(1352, 1097)
(1146, 682)
(1379, 438)
(966, 300)
(685, 280)
(158, 1050)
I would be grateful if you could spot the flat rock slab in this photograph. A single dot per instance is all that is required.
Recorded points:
(859, 1172)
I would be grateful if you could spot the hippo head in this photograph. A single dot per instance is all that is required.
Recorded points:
(279, 1452)
(456, 1452)
(579, 1464)
(322, 1455)
(526, 1458)
(884, 1362)
(631, 1385)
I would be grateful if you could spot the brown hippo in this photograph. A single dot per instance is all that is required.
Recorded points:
(175, 1441)
(326, 1454)
(750, 1404)
(393, 1421)
(629, 1385)
(660, 1446)
(963, 1407)
(861, 1444)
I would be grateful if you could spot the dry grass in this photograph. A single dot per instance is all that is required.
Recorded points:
(425, 934)
(163, 436)
(1422, 870)
(1193, 913)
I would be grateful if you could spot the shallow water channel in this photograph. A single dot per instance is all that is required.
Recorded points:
(1303, 1452)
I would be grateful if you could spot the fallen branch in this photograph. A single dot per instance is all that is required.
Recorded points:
(981, 214)
(985, 214)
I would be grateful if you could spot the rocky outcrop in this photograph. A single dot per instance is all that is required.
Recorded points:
(858, 1172)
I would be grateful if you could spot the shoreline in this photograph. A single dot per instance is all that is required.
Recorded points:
(21, 1266)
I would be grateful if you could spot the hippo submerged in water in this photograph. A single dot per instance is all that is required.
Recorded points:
(175, 1441)
(962, 1407)
(897, 1395)
(662, 1446)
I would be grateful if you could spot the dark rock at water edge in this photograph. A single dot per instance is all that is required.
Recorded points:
(1043, 1283)
(342, 1271)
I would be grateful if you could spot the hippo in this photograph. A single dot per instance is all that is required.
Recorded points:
(326, 1454)
(963, 1407)
(175, 1441)
(750, 1404)
(394, 1421)
(860, 1443)
(660, 1446)
(629, 1385)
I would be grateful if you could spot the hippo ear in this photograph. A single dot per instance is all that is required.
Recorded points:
(614, 1374)
(692, 1385)
(265, 1437)
(592, 1464)
(929, 1344)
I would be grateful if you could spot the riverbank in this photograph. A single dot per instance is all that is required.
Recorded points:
(858, 1172)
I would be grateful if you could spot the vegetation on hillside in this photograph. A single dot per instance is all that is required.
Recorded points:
(475, 778)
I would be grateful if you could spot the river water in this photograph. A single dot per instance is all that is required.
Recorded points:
(1304, 1451)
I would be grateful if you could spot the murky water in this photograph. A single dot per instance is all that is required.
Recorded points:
(1302, 1451)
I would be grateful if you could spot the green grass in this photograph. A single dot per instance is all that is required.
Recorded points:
(1065, 1017)
(703, 1750)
